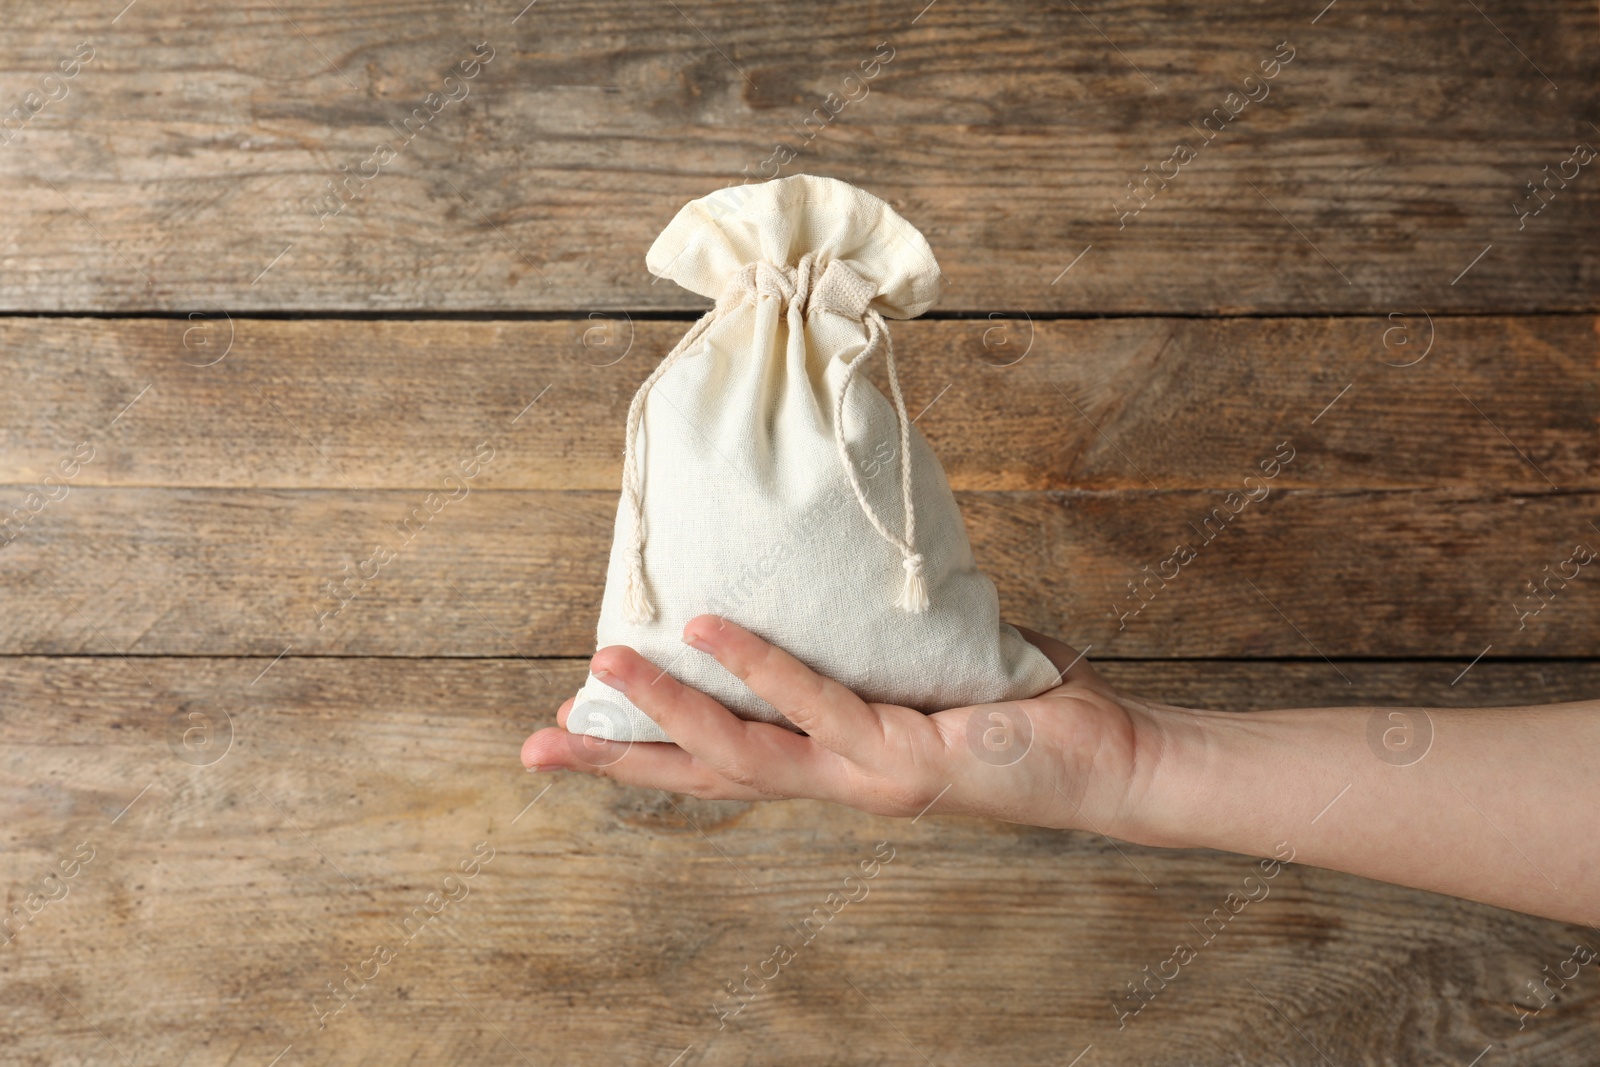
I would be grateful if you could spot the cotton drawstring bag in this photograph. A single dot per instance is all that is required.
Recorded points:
(766, 480)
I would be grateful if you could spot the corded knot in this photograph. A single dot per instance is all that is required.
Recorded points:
(805, 287)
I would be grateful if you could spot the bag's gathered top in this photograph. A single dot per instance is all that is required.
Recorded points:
(804, 290)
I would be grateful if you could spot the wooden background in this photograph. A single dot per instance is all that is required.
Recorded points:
(1343, 268)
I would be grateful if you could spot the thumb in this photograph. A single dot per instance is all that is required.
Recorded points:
(1072, 664)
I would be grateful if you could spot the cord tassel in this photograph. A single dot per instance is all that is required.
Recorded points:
(636, 606)
(914, 595)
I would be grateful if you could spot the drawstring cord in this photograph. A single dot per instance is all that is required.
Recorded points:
(914, 593)
(837, 289)
(636, 604)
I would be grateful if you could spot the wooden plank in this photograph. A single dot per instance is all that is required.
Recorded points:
(180, 167)
(1006, 403)
(226, 890)
(1302, 573)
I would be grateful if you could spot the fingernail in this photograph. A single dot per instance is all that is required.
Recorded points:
(696, 641)
(610, 679)
(537, 767)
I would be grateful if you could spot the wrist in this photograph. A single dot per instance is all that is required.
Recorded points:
(1176, 750)
(1239, 782)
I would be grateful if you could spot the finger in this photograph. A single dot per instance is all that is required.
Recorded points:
(757, 754)
(835, 717)
(565, 710)
(655, 765)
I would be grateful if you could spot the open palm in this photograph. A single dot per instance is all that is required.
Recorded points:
(1065, 758)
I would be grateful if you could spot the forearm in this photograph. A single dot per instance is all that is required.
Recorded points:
(1501, 807)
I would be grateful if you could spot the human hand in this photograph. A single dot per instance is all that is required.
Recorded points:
(1083, 756)
(1072, 757)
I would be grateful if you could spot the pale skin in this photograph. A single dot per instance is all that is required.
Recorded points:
(1501, 808)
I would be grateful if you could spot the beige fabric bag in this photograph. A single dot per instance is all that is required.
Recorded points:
(765, 481)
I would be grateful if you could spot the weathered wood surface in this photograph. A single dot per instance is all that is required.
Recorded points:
(179, 166)
(1303, 573)
(227, 889)
(1015, 404)
(258, 824)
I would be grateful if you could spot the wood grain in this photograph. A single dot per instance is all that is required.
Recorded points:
(1303, 573)
(222, 896)
(269, 791)
(179, 170)
(1007, 403)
